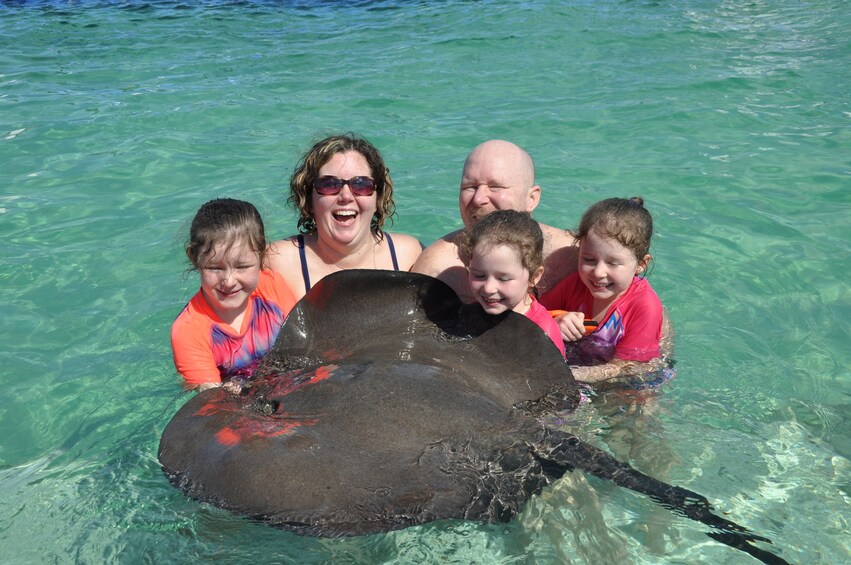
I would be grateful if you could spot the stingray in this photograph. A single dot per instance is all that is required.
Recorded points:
(386, 403)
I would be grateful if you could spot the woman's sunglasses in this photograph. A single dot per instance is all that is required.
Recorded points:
(331, 186)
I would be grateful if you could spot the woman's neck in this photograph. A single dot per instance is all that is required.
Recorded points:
(358, 254)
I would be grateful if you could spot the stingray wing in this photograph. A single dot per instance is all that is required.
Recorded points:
(384, 403)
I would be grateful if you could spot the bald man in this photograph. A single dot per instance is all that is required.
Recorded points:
(497, 175)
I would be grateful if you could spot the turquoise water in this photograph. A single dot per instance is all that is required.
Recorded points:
(731, 119)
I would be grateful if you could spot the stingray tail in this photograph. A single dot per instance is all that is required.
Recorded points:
(569, 452)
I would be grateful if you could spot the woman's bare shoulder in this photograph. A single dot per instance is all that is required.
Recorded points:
(282, 253)
(408, 248)
(282, 256)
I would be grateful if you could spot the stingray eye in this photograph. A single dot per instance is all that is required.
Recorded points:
(269, 407)
(382, 492)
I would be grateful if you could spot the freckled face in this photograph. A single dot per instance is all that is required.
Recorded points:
(498, 279)
(344, 218)
(228, 277)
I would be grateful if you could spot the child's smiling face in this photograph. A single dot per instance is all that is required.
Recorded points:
(607, 267)
(498, 279)
(229, 274)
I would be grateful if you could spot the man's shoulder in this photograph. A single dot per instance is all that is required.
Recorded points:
(438, 256)
(557, 237)
(448, 240)
(561, 254)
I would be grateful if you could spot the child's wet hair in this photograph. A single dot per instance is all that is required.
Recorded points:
(624, 219)
(506, 227)
(227, 222)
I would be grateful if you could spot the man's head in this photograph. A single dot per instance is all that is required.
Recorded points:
(498, 175)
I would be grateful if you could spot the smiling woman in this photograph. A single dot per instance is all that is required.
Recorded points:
(344, 195)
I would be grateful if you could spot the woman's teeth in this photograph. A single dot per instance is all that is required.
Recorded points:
(345, 215)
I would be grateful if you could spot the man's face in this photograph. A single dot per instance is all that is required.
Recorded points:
(494, 181)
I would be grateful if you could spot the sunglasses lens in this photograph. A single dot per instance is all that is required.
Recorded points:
(328, 185)
(362, 186)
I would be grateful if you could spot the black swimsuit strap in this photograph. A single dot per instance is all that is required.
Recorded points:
(303, 258)
(304, 274)
(392, 251)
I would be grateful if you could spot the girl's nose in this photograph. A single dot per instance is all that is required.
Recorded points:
(228, 276)
(491, 286)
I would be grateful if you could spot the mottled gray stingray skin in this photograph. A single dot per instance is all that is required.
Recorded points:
(387, 403)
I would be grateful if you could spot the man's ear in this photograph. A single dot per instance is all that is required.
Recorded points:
(533, 198)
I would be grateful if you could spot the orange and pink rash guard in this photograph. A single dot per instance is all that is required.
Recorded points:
(208, 350)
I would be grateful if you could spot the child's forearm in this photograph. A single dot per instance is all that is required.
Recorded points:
(617, 368)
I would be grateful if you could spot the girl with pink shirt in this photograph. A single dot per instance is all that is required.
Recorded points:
(503, 253)
(610, 289)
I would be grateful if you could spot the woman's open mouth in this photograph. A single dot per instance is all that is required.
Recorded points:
(345, 216)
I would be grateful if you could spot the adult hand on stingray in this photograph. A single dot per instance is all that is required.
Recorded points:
(387, 403)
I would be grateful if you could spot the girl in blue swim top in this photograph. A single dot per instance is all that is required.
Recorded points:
(503, 253)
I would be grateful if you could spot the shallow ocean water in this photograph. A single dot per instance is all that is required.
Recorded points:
(732, 120)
